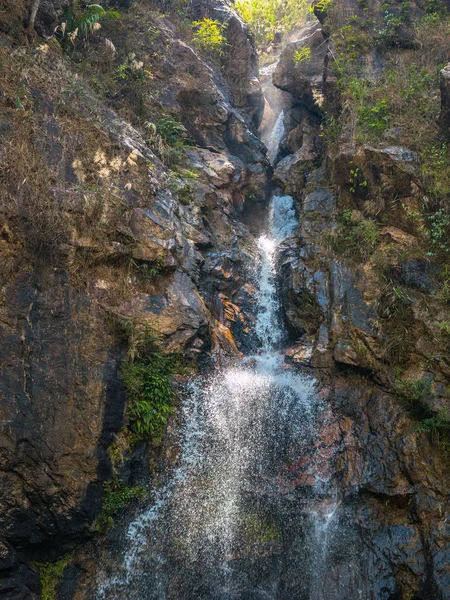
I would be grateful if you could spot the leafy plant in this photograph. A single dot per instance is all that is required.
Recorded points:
(168, 137)
(115, 497)
(80, 22)
(414, 391)
(302, 54)
(209, 35)
(149, 386)
(355, 181)
(438, 232)
(375, 118)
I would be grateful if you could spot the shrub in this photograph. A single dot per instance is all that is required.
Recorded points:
(80, 22)
(438, 232)
(168, 138)
(209, 35)
(150, 392)
(302, 54)
(374, 118)
(115, 497)
(413, 392)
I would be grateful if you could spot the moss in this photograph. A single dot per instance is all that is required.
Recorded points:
(258, 530)
(51, 575)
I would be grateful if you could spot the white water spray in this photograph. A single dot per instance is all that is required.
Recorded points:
(239, 429)
(277, 133)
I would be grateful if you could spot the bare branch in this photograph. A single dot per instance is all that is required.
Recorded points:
(33, 13)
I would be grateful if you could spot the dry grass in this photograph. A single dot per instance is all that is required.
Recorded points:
(26, 196)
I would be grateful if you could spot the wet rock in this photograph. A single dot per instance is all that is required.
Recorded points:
(289, 174)
(420, 274)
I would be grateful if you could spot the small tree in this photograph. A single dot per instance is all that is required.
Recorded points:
(209, 35)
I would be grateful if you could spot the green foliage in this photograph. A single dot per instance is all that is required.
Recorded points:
(79, 22)
(209, 36)
(168, 138)
(444, 292)
(150, 392)
(436, 8)
(302, 54)
(258, 530)
(357, 237)
(51, 574)
(115, 497)
(150, 270)
(374, 118)
(391, 24)
(269, 18)
(355, 182)
(414, 391)
(435, 425)
(438, 232)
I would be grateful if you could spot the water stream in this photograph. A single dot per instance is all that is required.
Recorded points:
(226, 523)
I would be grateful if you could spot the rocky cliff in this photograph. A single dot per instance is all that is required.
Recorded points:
(129, 168)
(125, 162)
(364, 284)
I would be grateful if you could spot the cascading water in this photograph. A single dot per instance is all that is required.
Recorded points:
(220, 526)
(276, 135)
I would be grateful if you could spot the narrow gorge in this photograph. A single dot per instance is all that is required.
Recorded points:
(225, 307)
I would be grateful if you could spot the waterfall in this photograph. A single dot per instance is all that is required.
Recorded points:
(231, 504)
(276, 135)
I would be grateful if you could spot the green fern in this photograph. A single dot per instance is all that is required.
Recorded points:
(80, 22)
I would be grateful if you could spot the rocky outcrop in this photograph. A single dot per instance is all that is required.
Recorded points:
(240, 59)
(101, 242)
(300, 68)
(364, 314)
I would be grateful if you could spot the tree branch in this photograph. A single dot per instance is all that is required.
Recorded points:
(33, 13)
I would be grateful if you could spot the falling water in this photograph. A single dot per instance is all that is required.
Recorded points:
(222, 515)
(276, 135)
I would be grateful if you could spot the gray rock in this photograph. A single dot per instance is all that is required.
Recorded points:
(320, 201)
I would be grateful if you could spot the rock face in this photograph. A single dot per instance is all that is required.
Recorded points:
(108, 232)
(445, 100)
(300, 68)
(367, 336)
(241, 59)
(99, 239)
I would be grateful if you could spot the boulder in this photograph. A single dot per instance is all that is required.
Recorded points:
(300, 68)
